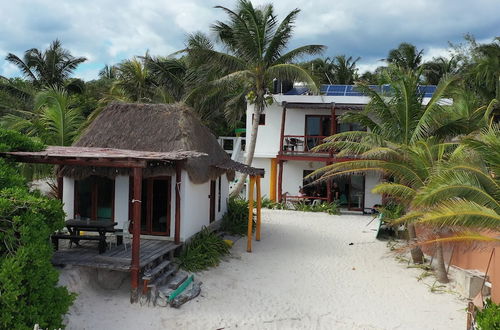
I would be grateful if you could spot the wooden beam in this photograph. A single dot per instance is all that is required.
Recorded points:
(273, 179)
(280, 181)
(136, 236)
(329, 188)
(259, 206)
(178, 173)
(313, 158)
(282, 132)
(250, 213)
(333, 125)
(81, 162)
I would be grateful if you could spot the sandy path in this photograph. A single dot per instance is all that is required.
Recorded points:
(302, 275)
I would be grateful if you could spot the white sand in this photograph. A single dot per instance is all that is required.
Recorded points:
(302, 275)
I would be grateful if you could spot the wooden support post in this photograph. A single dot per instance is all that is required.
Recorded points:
(280, 181)
(333, 126)
(329, 188)
(250, 213)
(273, 179)
(136, 236)
(60, 187)
(177, 234)
(259, 206)
(282, 132)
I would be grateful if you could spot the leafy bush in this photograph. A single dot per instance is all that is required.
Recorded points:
(28, 282)
(203, 251)
(489, 317)
(330, 208)
(392, 211)
(235, 221)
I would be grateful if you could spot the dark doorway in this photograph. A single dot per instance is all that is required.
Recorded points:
(212, 197)
(94, 198)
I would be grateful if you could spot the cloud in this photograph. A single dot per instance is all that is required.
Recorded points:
(107, 31)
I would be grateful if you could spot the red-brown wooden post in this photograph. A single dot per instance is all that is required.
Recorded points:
(60, 187)
(177, 235)
(282, 132)
(280, 181)
(329, 187)
(136, 235)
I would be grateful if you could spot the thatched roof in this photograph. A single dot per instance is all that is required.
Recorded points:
(153, 127)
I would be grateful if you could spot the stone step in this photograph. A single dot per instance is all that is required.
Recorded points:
(149, 275)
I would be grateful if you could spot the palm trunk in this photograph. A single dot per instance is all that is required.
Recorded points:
(441, 275)
(416, 253)
(250, 147)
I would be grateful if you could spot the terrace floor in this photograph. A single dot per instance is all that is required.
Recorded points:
(115, 258)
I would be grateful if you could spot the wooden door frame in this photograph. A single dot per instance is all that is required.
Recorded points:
(94, 197)
(148, 186)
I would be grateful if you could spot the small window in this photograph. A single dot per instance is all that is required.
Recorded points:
(262, 118)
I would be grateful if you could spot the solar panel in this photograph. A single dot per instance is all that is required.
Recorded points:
(351, 90)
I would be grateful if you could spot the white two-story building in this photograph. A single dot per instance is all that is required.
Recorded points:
(292, 126)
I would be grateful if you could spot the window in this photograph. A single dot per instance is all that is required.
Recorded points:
(262, 118)
(94, 198)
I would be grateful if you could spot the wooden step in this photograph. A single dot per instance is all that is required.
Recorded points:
(177, 280)
(153, 272)
(163, 277)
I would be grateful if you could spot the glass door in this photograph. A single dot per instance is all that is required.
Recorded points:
(156, 206)
(317, 128)
(356, 192)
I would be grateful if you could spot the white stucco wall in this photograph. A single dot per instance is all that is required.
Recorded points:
(121, 200)
(194, 206)
(68, 198)
(371, 180)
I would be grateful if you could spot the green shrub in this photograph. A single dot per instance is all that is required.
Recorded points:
(392, 211)
(489, 317)
(330, 208)
(235, 221)
(204, 250)
(28, 282)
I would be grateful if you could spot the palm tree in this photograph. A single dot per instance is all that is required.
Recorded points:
(56, 120)
(256, 44)
(406, 56)
(344, 69)
(486, 70)
(49, 68)
(399, 121)
(108, 72)
(438, 68)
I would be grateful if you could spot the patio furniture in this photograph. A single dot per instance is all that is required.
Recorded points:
(76, 225)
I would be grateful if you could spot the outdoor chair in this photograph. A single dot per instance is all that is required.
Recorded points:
(125, 235)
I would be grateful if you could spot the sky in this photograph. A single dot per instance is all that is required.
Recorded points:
(108, 31)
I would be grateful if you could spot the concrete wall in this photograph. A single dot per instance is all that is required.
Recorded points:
(195, 205)
(69, 197)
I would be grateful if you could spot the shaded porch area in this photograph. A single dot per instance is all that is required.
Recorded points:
(115, 258)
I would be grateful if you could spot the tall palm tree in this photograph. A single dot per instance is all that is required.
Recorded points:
(56, 119)
(48, 68)
(398, 120)
(344, 69)
(406, 56)
(255, 43)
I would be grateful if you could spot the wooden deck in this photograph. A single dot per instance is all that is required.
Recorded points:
(116, 258)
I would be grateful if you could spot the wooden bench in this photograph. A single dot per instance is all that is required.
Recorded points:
(75, 238)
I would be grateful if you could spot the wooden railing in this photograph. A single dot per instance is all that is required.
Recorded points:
(301, 143)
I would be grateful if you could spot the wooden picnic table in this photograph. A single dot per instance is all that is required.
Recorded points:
(99, 226)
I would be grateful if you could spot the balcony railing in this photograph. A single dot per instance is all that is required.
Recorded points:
(301, 143)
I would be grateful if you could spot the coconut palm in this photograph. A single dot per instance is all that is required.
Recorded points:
(486, 70)
(48, 68)
(56, 120)
(406, 56)
(395, 121)
(344, 69)
(255, 43)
